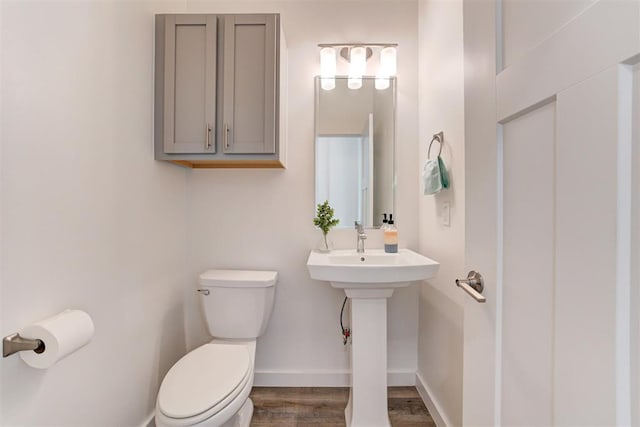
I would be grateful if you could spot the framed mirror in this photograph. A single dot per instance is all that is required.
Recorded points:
(354, 144)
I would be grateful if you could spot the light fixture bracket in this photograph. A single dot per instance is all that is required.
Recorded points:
(345, 48)
(345, 52)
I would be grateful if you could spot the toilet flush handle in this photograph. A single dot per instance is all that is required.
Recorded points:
(204, 291)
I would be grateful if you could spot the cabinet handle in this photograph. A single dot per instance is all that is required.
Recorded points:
(226, 135)
(207, 144)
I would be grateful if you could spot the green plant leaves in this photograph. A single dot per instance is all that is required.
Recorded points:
(324, 217)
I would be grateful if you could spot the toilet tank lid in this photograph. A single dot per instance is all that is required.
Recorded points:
(238, 278)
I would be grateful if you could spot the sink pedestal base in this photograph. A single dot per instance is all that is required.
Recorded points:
(368, 405)
(369, 279)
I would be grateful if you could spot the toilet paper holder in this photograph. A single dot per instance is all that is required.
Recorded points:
(14, 343)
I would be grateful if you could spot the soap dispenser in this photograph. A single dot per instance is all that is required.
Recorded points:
(391, 237)
(385, 222)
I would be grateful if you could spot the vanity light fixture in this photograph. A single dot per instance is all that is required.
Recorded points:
(357, 55)
(387, 67)
(357, 66)
(328, 68)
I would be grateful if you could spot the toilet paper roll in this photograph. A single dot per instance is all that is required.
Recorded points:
(62, 335)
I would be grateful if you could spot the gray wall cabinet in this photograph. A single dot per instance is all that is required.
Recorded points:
(220, 98)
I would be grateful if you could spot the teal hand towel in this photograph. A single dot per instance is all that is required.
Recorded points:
(431, 177)
(444, 176)
(435, 177)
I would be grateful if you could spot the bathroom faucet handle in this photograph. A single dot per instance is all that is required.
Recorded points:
(359, 227)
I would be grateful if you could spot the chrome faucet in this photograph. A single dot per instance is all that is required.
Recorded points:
(361, 237)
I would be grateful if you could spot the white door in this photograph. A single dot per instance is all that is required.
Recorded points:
(552, 114)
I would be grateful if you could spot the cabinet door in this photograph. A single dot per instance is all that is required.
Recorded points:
(190, 84)
(249, 99)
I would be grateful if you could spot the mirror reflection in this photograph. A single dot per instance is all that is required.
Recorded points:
(354, 139)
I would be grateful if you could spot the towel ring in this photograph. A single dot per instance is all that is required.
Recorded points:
(436, 137)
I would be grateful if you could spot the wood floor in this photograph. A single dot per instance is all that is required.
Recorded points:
(324, 407)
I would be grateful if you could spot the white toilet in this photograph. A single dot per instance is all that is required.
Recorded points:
(210, 386)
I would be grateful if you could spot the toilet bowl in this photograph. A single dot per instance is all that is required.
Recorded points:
(210, 385)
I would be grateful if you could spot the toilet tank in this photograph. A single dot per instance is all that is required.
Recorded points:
(239, 302)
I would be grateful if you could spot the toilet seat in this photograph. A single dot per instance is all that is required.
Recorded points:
(204, 382)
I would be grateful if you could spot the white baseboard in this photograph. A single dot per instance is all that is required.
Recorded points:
(149, 421)
(401, 378)
(312, 378)
(438, 415)
(307, 378)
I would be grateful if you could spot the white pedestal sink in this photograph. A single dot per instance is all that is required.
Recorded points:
(369, 279)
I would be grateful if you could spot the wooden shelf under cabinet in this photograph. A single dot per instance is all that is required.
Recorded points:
(230, 164)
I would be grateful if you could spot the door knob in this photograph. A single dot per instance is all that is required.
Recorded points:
(473, 285)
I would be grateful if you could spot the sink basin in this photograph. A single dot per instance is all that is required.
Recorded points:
(372, 269)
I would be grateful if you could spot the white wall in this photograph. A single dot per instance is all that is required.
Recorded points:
(89, 219)
(442, 109)
(263, 218)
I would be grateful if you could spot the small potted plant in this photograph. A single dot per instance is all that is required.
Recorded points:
(324, 220)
